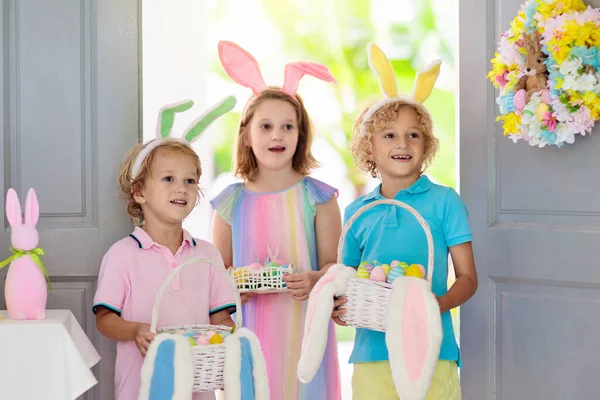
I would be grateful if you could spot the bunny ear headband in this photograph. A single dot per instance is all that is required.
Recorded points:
(166, 118)
(244, 69)
(422, 88)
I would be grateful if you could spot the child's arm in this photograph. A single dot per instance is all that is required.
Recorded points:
(328, 228)
(114, 327)
(465, 285)
(222, 239)
(221, 318)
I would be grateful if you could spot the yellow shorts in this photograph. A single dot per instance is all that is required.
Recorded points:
(372, 381)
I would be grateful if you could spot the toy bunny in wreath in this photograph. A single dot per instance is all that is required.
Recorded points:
(535, 73)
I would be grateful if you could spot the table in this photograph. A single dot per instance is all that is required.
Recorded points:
(46, 359)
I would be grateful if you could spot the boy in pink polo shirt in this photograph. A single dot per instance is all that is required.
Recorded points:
(159, 181)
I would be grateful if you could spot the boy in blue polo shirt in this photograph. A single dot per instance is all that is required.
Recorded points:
(393, 140)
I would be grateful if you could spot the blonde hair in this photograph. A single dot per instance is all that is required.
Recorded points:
(361, 145)
(245, 164)
(129, 188)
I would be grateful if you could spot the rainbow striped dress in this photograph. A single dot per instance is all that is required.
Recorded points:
(281, 225)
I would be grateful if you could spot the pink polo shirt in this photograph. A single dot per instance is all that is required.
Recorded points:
(131, 273)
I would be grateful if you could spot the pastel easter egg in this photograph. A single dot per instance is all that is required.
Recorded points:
(273, 264)
(378, 274)
(362, 273)
(202, 341)
(210, 334)
(255, 266)
(414, 271)
(192, 341)
(520, 99)
(541, 111)
(368, 267)
(394, 264)
(395, 273)
(216, 339)
(423, 270)
(386, 268)
(546, 96)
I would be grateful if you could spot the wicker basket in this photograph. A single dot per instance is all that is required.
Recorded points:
(268, 279)
(209, 361)
(367, 305)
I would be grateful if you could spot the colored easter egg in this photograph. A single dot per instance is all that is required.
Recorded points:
(423, 270)
(202, 341)
(255, 266)
(395, 273)
(362, 273)
(546, 96)
(192, 341)
(216, 339)
(273, 264)
(414, 271)
(386, 268)
(210, 334)
(378, 274)
(394, 264)
(542, 109)
(520, 100)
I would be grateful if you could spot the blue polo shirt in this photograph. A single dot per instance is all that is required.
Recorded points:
(386, 233)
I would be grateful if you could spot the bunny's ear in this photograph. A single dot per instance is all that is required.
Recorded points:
(241, 66)
(294, 71)
(13, 208)
(200, 124)
(166, 117)
(413, 336)
(425, 81)
(32, 208)
(380, 64)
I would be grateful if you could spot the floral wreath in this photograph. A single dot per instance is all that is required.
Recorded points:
(547, 69)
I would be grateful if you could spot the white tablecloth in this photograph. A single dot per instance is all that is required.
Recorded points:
(47, 359)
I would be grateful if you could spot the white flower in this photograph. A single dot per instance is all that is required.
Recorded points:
(584, 82)
(570, 67)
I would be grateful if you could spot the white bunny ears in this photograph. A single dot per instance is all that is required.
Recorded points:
(166, 118)
(244, 69)
(422, 88)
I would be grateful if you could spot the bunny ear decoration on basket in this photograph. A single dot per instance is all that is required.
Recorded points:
(406, 310)
(166, 119)
(422, 87)
(243, 68)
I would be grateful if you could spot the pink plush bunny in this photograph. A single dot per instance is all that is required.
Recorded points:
(25, 290)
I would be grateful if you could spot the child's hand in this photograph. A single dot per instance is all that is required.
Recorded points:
(300, 284)
(244, 297)
(338, 310)
(143, 337)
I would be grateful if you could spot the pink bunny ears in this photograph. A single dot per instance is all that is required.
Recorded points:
(13, 208)
(244, 69)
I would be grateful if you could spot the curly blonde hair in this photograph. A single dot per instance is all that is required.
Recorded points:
(361, 146)
(129, 188)
(245, 164)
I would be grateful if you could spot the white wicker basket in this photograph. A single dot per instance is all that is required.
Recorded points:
(209, 361)
(268, 279)
(367, 305)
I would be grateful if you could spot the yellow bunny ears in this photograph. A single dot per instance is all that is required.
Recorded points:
(422, 88)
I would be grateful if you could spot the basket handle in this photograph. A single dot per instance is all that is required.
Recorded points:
(408, 208)
(176, 271)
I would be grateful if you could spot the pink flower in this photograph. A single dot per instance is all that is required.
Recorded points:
(502, 79)
(549, 121)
